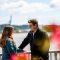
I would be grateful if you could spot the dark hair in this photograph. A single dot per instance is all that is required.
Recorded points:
(33, 21)
(7, 31)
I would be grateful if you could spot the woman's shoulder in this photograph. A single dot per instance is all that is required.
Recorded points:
(8, 40)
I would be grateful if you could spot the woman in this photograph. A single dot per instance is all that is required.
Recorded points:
(7, 43)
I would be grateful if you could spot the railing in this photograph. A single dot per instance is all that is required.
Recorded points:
(0, 56)
(53, 55)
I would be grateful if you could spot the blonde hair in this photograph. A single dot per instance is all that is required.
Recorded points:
(7, 32)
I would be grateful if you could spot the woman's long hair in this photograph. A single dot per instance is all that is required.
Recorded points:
(7, 33)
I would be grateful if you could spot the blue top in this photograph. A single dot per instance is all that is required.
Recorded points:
(8, 49)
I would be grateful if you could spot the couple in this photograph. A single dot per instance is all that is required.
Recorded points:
(39, 42)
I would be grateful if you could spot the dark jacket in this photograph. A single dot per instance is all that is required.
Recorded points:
(39, 45)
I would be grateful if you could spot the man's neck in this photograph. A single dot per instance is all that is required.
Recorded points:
(35, 30)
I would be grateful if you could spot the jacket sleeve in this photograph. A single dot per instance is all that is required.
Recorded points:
(10, 47)
(19, 50)
(25, 42)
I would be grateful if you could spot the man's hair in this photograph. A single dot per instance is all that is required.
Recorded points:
(33, 21)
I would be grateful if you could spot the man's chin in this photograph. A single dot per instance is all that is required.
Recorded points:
(32, 30)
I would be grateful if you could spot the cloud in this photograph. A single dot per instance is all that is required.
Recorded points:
(22, 6)
(56, 3)
(11, 4)
(34, 7)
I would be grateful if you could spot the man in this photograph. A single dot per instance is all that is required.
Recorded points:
(39, 42)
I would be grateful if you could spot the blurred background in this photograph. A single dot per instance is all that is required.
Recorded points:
(16, 13)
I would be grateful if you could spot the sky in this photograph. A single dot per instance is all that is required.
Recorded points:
(45, 11)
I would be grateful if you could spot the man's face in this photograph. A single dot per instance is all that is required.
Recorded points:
(32, 27)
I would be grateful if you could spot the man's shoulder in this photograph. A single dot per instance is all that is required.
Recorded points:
(29, 32)
(42, 32)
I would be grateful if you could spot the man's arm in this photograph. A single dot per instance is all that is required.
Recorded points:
(25, 42)
(46, 43)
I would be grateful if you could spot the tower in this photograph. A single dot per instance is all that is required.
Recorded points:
(10, 21)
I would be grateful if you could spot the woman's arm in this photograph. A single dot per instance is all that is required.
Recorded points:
(10, 47)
